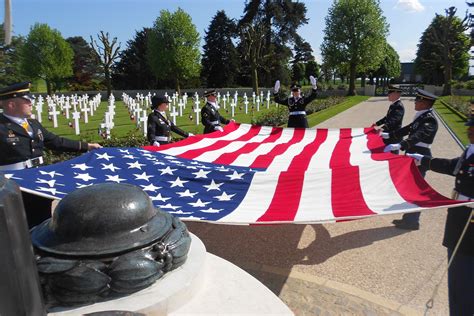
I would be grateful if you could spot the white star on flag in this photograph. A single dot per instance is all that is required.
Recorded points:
(159, 197)
(186, 193)
(211, 210)
(110, 167)
(115, 178)
(167, 170)
(235, 176)
(104, 156)
(201, 174)
(224, 197)
(51, 183)
(199, 203)
(135, 164)
(177, 183)
(150, 187)
(50, 190)
(81, 166)
(213, 186)
(129, 157)
(169, 206)
(142, 176)
(84, 177)
(51, 174)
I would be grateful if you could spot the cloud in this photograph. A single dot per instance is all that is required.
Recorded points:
(410, 5)
(407, 54)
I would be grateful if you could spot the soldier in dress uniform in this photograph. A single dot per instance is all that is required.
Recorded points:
(22, 140)
(392, 121)
(461, 270)
(159, 127)
(296, 103)
(421, 133)
(210, 116)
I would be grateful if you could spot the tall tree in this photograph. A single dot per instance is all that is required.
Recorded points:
(354, 34)
(444, 47)
(85, 64)
(133, 71)
(298, 72)
(220, 59)
(312, 69)
(390, 66)
(303, 52)
(274, 23)
(46, 55)
(10, 60)
(106, 51)
(173, 47)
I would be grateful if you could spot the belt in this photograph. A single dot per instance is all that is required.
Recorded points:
(460, 197)
(162, 138)
(421, 144)
(214, 122)
(298, 113)
(30, 163)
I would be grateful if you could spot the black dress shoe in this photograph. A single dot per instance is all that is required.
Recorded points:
(400, 223)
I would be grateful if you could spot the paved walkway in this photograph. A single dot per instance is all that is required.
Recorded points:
(364, 267)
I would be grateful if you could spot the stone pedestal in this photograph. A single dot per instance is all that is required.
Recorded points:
(205, 284)
(369, 90)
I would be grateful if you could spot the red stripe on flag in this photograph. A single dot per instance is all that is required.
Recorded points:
(263, 161)
(346, 193)
(286, 199)
(229, 128)
(191, 154)
(404, 173)
(229, 158)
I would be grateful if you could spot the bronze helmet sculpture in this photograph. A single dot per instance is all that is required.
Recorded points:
(103, 241)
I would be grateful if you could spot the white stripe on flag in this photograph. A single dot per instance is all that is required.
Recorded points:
(315, 204)
(378, 190)
(176, 151)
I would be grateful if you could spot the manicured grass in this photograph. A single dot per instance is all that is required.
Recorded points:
(453, 120)
(318, 117)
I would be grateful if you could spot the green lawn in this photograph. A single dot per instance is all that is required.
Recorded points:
(453, 120)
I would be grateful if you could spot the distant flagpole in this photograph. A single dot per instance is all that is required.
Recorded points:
(7, 24)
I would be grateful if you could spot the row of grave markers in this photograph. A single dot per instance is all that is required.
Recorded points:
(76, 107)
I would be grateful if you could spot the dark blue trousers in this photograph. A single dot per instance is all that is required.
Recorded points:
(461, 284)
(415, 216)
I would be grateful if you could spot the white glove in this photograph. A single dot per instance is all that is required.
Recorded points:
(156, 144)
(277, 86)
(190, 134)
(392, 147)
(218, 128)
(232, 120)
(417, 158)
(385, 135)
(313, 81)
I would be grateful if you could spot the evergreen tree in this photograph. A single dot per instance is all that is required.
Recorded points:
(220, 60)
(85, 64)
(443, 51)
(133, 70)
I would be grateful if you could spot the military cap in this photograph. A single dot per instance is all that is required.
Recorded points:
(425, 95)
(295, 87)
(392, 88)
(470, 119)
(17, 90)
(210, 92)
(157, 100)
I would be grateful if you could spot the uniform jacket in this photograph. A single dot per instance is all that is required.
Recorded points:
(158, 125)
(17, 145)
(392, 121)
(423, 129)
(296, 105)
(210, 118)
(463, 170)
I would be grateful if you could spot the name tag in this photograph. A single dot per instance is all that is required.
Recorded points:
(13, 140)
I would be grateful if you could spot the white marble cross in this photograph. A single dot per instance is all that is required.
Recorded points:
(143, 120)
(85, 110)
(54, 113)
(253, 97)
(39, 110)
(173, 114)
(197, 110)
(246, 102)
(224, 99)
(76, 116)
(181, 105)
(258, 104)
(268, 99)
(233, 104)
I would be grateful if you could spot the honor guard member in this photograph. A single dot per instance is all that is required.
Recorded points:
(22, 140)
(421, 133)
(461, 270)
(159, 127)
(296, 103)
(210, 116)
(392, 121)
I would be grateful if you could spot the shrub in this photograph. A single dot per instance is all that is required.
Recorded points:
(469, 84)
(460, 104)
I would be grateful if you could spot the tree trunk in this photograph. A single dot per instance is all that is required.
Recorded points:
(178, 87)
(254, 78)
(352, 89)
(49, 89)
(448, 76)
(108, 84)
(362, 81)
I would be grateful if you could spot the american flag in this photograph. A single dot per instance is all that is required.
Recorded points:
(254, 174)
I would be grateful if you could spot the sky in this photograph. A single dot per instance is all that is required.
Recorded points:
(407, 19)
